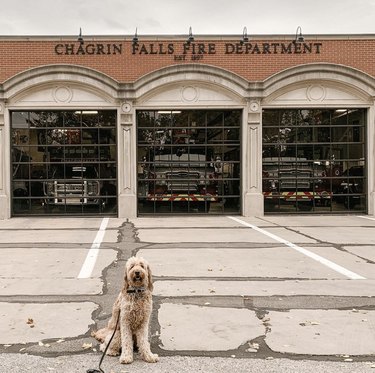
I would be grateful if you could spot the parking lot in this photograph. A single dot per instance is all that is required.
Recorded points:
(299, 288)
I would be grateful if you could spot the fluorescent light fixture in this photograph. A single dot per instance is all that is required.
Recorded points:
(86, 112)
(168, 112)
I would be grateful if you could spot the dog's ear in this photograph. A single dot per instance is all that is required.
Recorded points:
(150, 284)
(126, 282)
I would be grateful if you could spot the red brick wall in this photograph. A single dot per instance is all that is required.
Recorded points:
(21, 54)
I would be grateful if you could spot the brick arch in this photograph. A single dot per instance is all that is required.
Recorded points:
(351, 80)
(40, 77)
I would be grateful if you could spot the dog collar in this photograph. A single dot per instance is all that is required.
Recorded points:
(135, 290)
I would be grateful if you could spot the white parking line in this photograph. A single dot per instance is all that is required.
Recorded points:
(365, 217)
(89, 263)
(318, 258)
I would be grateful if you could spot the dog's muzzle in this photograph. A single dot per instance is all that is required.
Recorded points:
(137, 276)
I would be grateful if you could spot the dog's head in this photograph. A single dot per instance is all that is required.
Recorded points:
(137, 274)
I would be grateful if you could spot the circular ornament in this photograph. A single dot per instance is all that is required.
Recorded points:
(189, 94)
(126, 107)
(62, 94)
(254, 106)
(316, 93)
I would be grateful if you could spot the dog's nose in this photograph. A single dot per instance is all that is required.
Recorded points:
(137, 273)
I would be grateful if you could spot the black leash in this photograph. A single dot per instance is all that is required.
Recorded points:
(105, 350)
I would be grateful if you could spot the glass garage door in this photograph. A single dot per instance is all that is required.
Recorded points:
(64, 162)
(314, 160)
(189, 161)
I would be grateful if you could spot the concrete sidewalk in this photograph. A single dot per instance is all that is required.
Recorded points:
(246, 292)
(200, 263)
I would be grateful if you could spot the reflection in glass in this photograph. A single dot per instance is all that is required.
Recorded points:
(64, 162)
(188, 161)
(324, 171)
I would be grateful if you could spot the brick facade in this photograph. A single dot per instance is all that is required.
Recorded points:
(161, 72)
(255, 61)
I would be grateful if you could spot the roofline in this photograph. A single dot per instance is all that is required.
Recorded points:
(198, 37)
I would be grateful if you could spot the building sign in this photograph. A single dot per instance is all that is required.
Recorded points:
(273, 48)
(88, 49)
(197, 51)
(193, 51)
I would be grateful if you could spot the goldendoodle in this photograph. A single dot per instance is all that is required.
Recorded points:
(133, 307)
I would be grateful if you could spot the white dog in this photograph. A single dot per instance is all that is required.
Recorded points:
(133, 307)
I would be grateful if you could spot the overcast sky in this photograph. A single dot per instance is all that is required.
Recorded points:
(174, 17)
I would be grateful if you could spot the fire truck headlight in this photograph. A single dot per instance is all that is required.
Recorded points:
(92, 189)
(49, 188)
(160, 179)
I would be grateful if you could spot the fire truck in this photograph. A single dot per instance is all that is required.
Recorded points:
(296, 181)
(73, 172)
(176, 169)
(183, 177)
(71, 184)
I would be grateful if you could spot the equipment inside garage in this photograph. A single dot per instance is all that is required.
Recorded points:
(188, 161)
(314, 160)
(64, 162)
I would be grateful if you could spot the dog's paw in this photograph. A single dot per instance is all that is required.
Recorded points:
(126, 359)
(113, 352)
(151, 358)
(102, 347)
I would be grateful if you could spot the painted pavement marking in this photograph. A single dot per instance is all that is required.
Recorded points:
(318, 258)
(89, 263)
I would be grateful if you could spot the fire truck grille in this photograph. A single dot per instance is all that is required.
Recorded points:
(183, 181)
(68, 188)
(294, 179)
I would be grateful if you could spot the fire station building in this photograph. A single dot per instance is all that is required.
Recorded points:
(156, 125)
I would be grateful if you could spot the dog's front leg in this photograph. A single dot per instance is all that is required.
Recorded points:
(144, 345)
(114, 347)
(105, 334)
(126, 341)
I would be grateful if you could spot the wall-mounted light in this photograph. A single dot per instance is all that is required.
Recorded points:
(245, 38)
(299, 37)
(191, 37)
(135, 37)
(80, 38)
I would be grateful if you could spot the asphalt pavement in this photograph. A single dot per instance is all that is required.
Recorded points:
(269, 294)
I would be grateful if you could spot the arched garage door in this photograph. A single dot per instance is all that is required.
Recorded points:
(314, 160)
(188, 161)
(64, 162)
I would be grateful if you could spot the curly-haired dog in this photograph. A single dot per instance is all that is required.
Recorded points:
(134, 305)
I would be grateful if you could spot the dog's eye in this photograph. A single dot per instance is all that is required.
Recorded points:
(132, 266)
(142, 265)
